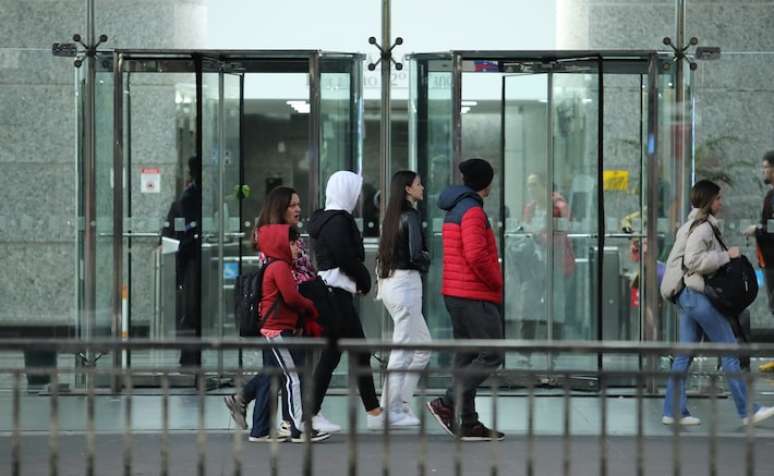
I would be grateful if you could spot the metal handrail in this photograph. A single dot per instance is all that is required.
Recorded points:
(361, 345)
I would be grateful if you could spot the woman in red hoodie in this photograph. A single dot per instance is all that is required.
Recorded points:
(284, 311)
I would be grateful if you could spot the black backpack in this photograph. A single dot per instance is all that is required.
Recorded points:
(733, 287)
(248, 292)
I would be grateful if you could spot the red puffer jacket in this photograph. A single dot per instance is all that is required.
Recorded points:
(470, 266)
(278, 283)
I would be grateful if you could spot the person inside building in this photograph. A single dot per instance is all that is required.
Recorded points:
(183, 224)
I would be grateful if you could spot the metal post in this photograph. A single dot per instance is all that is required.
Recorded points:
(682, 133)
(456, 115)
(316, 184)
(118, 206)
(385, 132)
(89, 188)
(221, 202)
(650, 288)
(550, 171)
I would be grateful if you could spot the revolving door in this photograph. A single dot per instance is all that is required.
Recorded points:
(200, 138)
(580, 143)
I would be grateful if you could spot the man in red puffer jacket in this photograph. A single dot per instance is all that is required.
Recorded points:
(472, 291)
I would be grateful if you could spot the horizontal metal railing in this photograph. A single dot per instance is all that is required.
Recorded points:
(499, 453)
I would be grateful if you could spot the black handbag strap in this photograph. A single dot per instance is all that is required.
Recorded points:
(715, 231)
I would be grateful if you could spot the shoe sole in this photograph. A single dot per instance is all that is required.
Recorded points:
(440, 420)
(481, 438)
(235, 414)
(670, 423)
(328, 430)
(267, 440)
(313, 440)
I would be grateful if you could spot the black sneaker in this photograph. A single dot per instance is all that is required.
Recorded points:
(478, 432)
(443, 413)
(267, 439)
(237, 408)
(316, 436)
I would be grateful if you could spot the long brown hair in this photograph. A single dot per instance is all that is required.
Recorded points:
(274, 209)
(703, 194)
(391, 225)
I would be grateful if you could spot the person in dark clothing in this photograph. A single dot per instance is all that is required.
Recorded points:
(338, 248)
(183, 224)
(764, 239)
(472, 290)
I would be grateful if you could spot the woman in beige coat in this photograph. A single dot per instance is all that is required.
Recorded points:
(696, 254)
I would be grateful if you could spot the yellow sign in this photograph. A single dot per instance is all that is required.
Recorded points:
(616, 180)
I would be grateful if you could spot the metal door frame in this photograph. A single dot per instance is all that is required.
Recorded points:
(121, 61)
(647, 63)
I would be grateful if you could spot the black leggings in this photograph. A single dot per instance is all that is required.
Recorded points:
(346, 324)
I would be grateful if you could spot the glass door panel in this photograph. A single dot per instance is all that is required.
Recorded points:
(161, 207)
(276, 139)
(430, 146)
(104, 203)
(221, 200)
(572, 194)
(525, 166)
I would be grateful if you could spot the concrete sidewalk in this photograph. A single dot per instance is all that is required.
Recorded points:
(331, 457)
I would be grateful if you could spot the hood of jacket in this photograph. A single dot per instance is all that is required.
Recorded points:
(455, 194)
(321, 217)
(342, 191)
(273, 242)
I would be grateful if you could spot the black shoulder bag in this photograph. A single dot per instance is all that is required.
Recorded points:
(733, 287)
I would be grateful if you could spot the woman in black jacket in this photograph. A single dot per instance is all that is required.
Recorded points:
(402, 257)
(338, 249)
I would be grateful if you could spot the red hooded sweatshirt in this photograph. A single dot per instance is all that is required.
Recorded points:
(278, 282)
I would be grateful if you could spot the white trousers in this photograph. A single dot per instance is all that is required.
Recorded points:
(401, 294)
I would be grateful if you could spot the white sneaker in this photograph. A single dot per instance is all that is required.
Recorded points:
(322, 424)
(284, 429)
(408, 411)
(409, 418)
(762, 414)
(397, 420)
(684, 421)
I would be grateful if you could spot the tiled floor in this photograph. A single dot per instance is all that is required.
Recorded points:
(585, 412)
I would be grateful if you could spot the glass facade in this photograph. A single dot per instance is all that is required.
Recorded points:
(261, 118)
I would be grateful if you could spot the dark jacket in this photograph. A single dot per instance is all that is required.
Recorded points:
(471, 269)
(337, 243)
(410, 250)
(278, 282)
(763, 238)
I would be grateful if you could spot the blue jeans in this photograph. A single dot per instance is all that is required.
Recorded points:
(697, 317)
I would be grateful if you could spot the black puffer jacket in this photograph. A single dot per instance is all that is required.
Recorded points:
(410, 250)
(337, 243)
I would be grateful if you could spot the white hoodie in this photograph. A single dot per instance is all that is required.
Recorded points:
(341, 193)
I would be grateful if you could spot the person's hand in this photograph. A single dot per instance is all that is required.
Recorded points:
(733, 252)
(312, 329)
(313, 313)
(750, 230)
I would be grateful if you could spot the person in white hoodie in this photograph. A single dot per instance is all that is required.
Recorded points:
(338, 248)
(695, 254)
